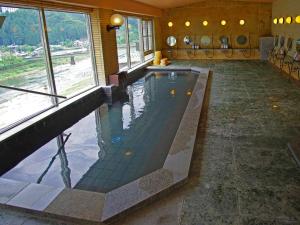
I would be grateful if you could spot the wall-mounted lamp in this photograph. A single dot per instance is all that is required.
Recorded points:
(116, 21)
(281, 20)
(297, 19)
(289, 20)
(187, 23)
(242, 22)
(170, 24)
(275, 21)
(223, 22)
(205, 23)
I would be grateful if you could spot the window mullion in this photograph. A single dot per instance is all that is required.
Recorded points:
(127, 43)
(46, 47)
(92, 49)
(140, 28)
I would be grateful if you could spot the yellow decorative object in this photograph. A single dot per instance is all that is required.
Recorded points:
(223, 22)
(275, 21)
(281, 20)
(170, 24)
(157, 58)
(187, 23)
(242, 22)
(205, 23)
(297, 19)
(289, 20)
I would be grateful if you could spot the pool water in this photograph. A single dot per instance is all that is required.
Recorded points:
(115, 144)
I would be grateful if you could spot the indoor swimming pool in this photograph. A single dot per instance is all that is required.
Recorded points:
(116, 143)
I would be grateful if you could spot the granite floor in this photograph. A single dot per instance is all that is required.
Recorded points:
(242, 172)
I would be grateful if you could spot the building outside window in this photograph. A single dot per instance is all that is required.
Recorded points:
(25, 64)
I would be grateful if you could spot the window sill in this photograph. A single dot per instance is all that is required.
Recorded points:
(140, 66)
(34, 119)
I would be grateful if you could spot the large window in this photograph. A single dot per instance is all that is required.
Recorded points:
(30, 78)
(134, 42)
(70, 51)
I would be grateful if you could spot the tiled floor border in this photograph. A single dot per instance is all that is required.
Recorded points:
(93, 207)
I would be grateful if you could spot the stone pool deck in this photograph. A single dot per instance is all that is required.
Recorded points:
(242, 172)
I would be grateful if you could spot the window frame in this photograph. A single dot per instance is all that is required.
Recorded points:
(143, 53)
(48, 59)
(149, 37)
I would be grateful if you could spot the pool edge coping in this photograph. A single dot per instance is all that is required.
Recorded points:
(94, 207)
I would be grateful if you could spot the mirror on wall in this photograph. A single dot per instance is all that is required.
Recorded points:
(242, 40)
(205, 41)
(171, 41)
(187, 40)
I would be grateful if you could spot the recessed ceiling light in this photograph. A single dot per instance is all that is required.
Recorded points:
(223, 22)
(187, 23)
(289, 20)
(281, 20)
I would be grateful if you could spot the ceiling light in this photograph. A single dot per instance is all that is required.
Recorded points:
(242, 22)
(289, 20)
(223, 22)
(297, 19)
(187, 23)
(275, 21)
(281, 20)
(205, 23)
(170, 24)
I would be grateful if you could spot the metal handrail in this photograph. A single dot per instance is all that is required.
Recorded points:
(33, 92)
